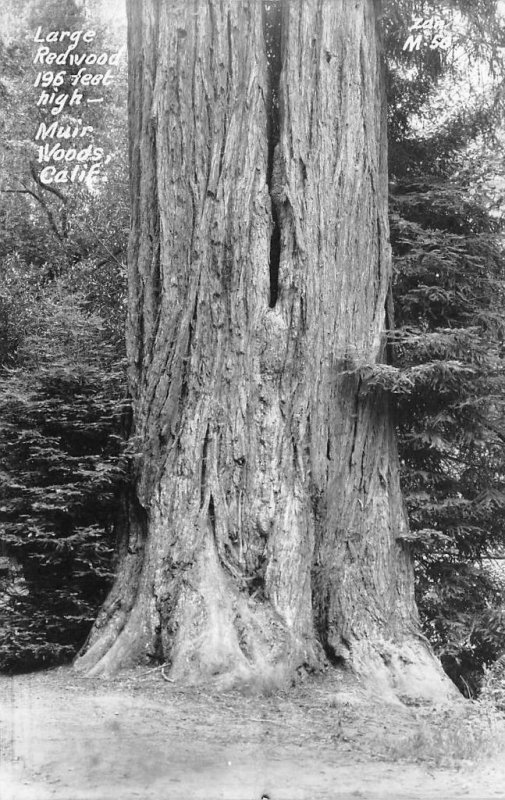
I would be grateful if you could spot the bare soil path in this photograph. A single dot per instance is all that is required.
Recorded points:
(64, 737)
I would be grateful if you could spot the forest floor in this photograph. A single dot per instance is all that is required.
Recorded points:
(65, 737)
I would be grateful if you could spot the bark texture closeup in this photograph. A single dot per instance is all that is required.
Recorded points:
(264, 530)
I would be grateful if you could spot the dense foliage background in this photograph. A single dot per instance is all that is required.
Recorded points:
(446, 369)
(63, 408)
(63, 402)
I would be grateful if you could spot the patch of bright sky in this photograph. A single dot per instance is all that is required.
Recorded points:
(467, 83)
(114, 11)
(109, 13)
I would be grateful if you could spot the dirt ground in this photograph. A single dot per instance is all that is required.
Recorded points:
(65, 737)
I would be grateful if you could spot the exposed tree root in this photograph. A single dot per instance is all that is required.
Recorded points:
(404, 671)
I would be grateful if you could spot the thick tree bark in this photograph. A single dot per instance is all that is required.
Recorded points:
(265, 526)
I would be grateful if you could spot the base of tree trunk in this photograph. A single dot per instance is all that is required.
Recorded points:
(394, 672)
(406, 671)
(218, 636)
(215, 633)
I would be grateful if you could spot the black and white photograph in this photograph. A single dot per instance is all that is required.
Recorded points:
(252, 399)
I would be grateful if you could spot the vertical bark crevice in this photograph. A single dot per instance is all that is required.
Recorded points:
(275, 257)
(212, 519)
(272, 30)
(356, 424)
(203, 478)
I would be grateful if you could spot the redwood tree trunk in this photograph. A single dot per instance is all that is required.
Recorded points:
(264, 531)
